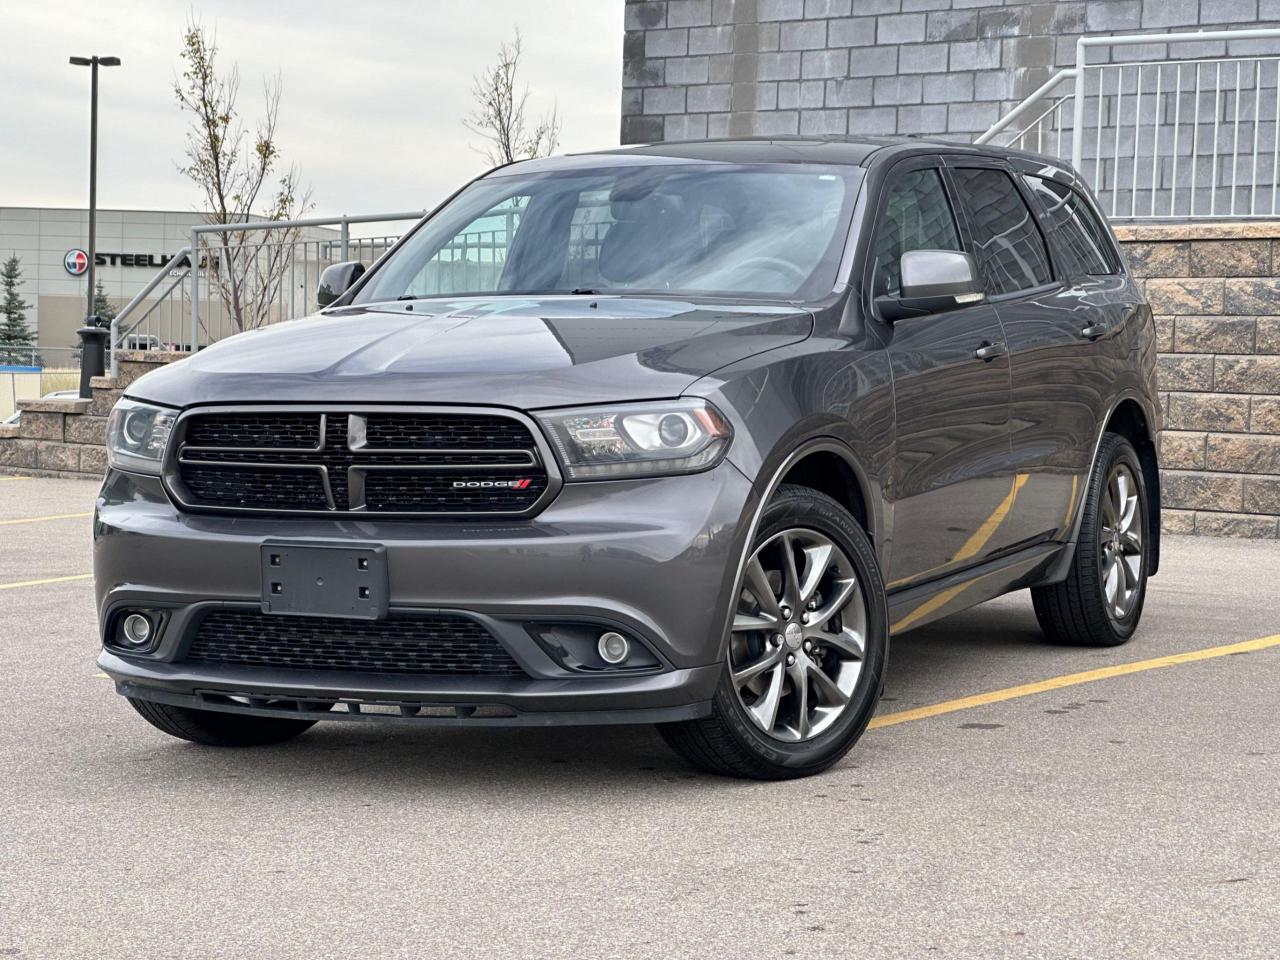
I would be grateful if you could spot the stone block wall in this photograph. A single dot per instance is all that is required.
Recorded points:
(721, 68)
(1215, 291)
(67, 437)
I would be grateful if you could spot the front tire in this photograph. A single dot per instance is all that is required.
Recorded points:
(807, 649)
(213, 728)
(1100, 602)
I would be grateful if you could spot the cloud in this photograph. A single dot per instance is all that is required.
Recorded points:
(373, 93)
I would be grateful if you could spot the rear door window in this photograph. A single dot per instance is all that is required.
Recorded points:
(1076, 227)
(1009, 247)
(917, 216)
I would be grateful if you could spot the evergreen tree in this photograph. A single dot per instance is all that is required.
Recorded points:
(102, 307)
(17, 342)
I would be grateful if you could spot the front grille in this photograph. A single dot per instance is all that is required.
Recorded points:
(436, 431)
(254, 430)
(435, 644)
(267, 488)
(391, 462)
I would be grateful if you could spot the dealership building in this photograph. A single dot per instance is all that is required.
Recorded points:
(133, 245)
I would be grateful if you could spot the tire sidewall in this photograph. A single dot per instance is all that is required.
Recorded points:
(803, 508)
(1120, 451)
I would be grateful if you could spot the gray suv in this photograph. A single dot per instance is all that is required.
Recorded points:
(678, 434)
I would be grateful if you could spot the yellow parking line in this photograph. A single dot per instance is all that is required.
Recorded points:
(38, 583)
(1071, 680)
(2, 479)
(52, 516)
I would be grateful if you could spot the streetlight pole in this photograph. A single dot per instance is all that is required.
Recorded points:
(92, 354)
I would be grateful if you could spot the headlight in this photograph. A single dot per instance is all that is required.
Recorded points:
(638, 440)
(136, 436)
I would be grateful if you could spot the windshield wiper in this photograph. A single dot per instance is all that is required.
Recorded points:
(583, 292)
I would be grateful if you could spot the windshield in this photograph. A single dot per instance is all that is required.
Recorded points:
(772, 231)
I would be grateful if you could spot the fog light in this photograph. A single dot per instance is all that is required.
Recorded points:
(613, 647)
(136, 630)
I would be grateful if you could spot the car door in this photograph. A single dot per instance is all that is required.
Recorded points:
(950, 471)
(1081, 352)
(1052, 313)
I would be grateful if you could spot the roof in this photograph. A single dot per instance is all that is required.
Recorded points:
(850, 150)
(833, 149)
(854, 151)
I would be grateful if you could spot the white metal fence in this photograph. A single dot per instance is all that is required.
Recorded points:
(1177, 138)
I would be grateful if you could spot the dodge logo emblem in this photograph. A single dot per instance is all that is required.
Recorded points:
(521, 484)
(76, 262)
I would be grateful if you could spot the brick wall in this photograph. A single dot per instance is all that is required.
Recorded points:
(1216, 297)
(699, 68)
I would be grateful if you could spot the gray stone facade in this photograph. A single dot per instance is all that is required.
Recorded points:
(718, 68)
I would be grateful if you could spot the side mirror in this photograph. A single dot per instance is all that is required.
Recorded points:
(337, 280)
(933, 281)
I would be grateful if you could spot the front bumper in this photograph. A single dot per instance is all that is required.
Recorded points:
(654, 558)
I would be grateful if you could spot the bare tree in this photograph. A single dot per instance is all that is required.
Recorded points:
(234, 169)
(499, 114)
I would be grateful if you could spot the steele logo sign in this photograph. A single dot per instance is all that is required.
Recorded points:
(76, 262)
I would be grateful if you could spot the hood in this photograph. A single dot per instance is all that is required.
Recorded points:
(508, 351)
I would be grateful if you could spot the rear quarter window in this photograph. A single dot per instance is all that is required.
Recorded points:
(1075, 227)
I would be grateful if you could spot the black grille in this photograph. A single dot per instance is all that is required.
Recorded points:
(426, 463)
(445, 431)
(278, 489)
(439, 644)
(254, 430)
(396, 491)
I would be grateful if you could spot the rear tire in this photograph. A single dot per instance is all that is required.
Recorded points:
(213, 728)
(1100, 602)
(786, 721)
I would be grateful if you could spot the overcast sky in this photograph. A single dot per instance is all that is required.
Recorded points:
(374, 92)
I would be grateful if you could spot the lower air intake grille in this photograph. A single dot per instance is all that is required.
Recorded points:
(438, 644)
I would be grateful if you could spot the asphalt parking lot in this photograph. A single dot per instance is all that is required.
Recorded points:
(996, 810)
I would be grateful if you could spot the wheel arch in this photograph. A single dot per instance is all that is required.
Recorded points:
(806, 462)
(824, 461)
(1130, 421)
(830, 469)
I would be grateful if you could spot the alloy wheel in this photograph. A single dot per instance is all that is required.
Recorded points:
(799, 635)
(1120, 544)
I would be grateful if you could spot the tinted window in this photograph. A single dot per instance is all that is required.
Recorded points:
(775, 231)
(1009, 247)
(475, 256)
(917, 216)
(1076, 227)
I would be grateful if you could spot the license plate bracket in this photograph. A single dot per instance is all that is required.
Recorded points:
(324, 579)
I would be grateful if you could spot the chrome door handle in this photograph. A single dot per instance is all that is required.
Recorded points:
(1093, 331)
(989, 351)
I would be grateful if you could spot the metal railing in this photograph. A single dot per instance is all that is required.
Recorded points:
(240, 276)
(1195, 137)
(1032, 135)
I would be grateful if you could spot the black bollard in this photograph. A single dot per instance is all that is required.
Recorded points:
(93, 353)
